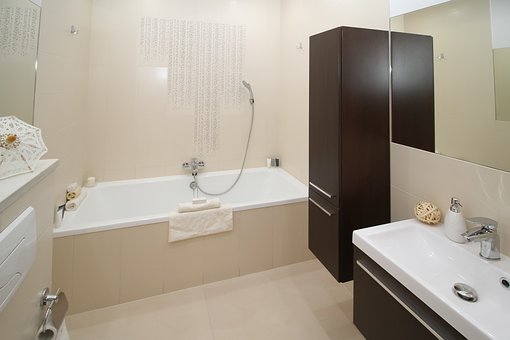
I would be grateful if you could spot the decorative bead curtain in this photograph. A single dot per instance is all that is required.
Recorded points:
(205, 62)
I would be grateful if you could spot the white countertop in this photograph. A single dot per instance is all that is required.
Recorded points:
(14, 187)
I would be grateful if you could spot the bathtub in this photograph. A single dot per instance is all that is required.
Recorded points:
(130, 203)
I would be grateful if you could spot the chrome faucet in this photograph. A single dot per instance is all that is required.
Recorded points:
(194, 166)
(487, 234)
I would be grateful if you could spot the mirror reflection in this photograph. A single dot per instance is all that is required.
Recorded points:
(471, 63)
(19, 31)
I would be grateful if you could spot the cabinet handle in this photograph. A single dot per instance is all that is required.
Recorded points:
(320, 190)
(402, 303)
(321, 208)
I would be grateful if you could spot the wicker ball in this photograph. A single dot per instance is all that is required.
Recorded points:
(427, 212)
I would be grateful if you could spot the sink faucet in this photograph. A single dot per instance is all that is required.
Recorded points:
(194, 166)
(487, 234)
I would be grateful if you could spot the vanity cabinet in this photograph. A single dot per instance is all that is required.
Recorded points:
(349, 159)
(385, 309)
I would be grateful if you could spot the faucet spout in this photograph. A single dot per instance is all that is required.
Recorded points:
(487, 234)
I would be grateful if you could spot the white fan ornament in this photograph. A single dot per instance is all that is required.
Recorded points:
(21, 146)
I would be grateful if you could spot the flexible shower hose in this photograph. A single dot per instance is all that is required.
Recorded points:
(252, 103)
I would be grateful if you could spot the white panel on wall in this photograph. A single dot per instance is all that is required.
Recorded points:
(399, 7)
(204, 63)
(500, 18)
(19, 27)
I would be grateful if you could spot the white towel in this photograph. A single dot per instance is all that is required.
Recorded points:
(75, 203)
(190, 206)
(199, 223)
(72, 187)
(71, 195)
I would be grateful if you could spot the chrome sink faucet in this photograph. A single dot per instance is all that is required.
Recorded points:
(194, 166)
(487, 234)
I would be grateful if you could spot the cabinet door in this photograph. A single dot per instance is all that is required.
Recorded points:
(412, 106)
(324, 114)
(324, 233)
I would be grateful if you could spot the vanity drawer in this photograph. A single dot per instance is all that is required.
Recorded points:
(385, 309)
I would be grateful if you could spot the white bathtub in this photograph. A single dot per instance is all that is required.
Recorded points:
(120, 204)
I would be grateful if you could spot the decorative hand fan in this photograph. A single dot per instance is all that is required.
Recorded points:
(21, 146)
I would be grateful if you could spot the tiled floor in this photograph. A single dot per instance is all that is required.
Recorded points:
(300, 301)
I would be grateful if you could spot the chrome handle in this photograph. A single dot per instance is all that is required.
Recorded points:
(402, 303)
(321, 191)
(47, 298)
(321, 207)
(488, 223)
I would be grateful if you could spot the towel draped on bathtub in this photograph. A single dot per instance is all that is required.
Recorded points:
(199, 223)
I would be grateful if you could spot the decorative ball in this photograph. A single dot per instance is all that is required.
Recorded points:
(427, 212)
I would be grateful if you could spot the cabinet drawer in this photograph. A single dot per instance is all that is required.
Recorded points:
(323, 232)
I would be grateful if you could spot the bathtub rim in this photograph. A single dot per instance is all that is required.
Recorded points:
(59, 232)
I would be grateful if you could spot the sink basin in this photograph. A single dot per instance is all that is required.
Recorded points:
(429, 264)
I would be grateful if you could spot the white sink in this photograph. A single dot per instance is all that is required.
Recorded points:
(429, 264)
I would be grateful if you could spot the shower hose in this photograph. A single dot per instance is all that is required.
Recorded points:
(252, 103)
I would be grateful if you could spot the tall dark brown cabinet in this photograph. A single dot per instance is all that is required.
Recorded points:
(349, 141)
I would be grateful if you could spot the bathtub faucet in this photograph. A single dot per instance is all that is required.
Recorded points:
(194, 166)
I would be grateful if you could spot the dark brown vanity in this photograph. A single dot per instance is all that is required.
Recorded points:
(385, 309)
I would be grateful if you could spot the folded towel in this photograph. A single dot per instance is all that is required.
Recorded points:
(199, 223)
(72, 187)
(190, 206)
(75, 203)
(71, 195)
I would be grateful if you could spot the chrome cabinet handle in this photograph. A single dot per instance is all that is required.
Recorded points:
(402, 303)
(321, 191)
(321, 207)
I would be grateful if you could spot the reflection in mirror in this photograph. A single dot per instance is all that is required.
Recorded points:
(19, 32)
(500, 20)
(465, 74)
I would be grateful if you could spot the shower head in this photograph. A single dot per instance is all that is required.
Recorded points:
(248, 87)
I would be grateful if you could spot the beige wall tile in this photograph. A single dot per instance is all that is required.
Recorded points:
(97, 263)
(142, 267)
(418, 175)
(320, 16)
(61, 86)
(255, 231)
(137, 96)
(184, 264)
(220, 256)
(290, 234)
(63, 265)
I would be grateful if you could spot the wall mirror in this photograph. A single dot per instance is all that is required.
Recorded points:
(470, 52)
(19, 36)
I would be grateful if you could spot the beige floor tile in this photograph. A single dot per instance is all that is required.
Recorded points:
(350, 286)
(300, 301)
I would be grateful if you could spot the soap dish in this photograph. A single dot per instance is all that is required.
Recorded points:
(427, 212)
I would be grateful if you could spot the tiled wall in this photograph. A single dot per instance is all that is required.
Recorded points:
(133, 131)
(111, 267)
(23, 315)
(61, 86)
(418, 175)
(299, 20)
